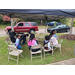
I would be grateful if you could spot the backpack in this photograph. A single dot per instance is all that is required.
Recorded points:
(45, 45)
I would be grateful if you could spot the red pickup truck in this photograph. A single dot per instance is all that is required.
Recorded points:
(22, 27)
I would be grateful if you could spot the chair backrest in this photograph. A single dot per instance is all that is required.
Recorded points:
(7, 42)
(12, 47)
(46, 45)
(36, 46)
(61, 41)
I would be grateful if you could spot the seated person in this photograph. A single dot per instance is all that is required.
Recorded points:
(12, 36)
(47, 41)
(53, 40)
(54, 34)
(32, 42)
(17, 43)
(23, 37)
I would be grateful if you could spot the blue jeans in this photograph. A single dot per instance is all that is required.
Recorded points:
(18, 47)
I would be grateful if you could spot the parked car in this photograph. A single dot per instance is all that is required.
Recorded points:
(60, 28)
(52, 23)
(23, 27)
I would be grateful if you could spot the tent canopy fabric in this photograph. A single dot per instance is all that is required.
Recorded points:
(41, 14)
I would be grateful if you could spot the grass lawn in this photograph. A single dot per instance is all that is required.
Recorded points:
(3, 26)
(67, 52)
(43, 27)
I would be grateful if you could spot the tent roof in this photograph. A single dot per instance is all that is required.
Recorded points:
(39, 13)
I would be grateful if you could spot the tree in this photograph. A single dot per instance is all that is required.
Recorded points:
(5, 18)
(71, 25)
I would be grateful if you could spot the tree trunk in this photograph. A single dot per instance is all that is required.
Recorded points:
(71, 26)
(12, 24)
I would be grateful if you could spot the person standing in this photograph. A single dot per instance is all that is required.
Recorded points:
(23, 37)
(12, 36)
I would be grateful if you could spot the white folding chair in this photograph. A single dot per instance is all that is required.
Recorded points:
(44, 50)
(37, 52)
(58, 45)
(13, 51)
(9, 42)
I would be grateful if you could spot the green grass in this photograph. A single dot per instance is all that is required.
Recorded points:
(3, 26)
(67, 52)
(43, 27)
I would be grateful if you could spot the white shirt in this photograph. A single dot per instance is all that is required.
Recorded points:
(54, 40)
(48, 44)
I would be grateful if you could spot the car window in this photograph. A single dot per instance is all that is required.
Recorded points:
(60, 26)
(52, 22)
(20, 24)
(27, 24)
(34, 24)
(65, 26)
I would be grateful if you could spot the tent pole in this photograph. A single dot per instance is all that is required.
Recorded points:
(45, 24)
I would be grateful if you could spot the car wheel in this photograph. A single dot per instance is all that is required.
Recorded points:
(68, 30)
(32, 31)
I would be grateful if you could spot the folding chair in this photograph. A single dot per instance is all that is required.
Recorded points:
(9, 42)
(39, 51)
(13, 51)
(58, 45)
(44, 50)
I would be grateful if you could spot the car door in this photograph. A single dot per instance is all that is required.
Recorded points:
(20, 27)
(60, 28)
(51, 23)
(65, 28)
(27, 26)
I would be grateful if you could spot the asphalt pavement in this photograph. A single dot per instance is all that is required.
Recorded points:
(3, 33)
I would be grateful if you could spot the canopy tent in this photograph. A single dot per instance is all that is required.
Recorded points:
(41, 14)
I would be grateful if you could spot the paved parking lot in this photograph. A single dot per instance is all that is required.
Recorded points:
(3, 33)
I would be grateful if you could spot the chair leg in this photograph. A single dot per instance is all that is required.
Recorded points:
(31, 57)
(44, 54)
(60, 49)
(8, 57)
(52, 53)
(17, 59)
(22, 55)
(41, 55)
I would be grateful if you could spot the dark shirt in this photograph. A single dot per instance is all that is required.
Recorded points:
(23, 36)
(12, 34)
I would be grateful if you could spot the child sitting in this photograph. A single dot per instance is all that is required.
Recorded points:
(47, 41)
(53, 40)
(31, 42)
(54, 34)
(17, 42)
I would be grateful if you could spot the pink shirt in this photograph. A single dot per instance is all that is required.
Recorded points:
(31, 43)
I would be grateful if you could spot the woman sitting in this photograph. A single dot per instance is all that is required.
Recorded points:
(31, 42)
(53, 33)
